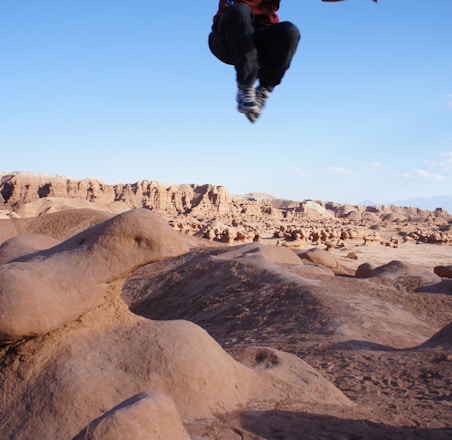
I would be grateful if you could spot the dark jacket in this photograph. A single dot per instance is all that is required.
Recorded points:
(265, 11)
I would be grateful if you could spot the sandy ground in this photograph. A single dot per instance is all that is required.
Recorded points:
(423, 254)
(360, 335)
(384, 344)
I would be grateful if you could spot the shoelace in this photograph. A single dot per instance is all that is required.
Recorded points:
(248, 95)
(262, 96)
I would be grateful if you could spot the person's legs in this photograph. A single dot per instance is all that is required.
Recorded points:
(276, 46)
(232, 41)
(263, 54)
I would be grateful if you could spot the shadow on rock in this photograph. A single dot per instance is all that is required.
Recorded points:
(277, 425)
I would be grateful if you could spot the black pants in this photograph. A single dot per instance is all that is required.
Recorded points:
(262, 53)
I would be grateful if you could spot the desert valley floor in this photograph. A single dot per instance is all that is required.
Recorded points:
(116, 325)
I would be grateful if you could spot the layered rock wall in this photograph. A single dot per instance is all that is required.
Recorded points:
(210, 211)
(19, 189)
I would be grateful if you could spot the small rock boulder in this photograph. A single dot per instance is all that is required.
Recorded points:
(146, 416)
(364, 270)
(405, 277)
(443, 271)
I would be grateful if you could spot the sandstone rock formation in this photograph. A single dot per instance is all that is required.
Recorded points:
(441, 340)
(59, 225)
(404, 276)
(147, 416)
(110, 373)
(364, 270)
(444, 271)
(72, 351)
(25, 245)
(19, 189)
(211, 212)
(98, 257)
(320, 256)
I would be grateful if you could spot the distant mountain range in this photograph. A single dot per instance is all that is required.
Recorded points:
(430, 203)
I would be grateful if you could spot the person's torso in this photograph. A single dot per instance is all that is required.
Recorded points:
(265, 11)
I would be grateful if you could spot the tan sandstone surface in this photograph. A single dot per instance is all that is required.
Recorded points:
(219, 318)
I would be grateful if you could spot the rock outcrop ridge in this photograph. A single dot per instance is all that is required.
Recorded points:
(18, 189)
(86, 286)
(211, 212)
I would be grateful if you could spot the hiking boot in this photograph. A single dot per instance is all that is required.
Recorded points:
(262, 94)
(252, 117)
(246, 100)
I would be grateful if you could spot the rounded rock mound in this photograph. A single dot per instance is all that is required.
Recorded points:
(47, 289)
(146, 416)
(405, 277)
(441, 340)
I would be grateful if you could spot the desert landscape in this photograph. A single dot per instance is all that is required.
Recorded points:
(153, 311)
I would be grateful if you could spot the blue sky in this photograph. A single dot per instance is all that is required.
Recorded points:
(128, 90)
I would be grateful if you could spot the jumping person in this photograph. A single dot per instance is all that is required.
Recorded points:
(248, 35)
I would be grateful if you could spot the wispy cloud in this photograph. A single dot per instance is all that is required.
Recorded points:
(449, 105)
(420, 174)
(340, 170)
(427, 175)
(375, 165)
